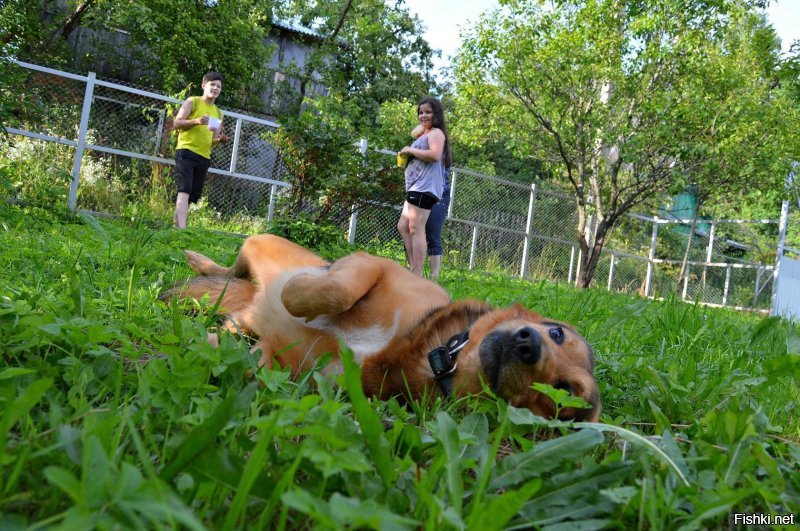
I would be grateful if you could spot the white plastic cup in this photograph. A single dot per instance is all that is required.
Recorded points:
(214, 123)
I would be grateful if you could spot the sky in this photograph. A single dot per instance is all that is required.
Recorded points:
(444, 18)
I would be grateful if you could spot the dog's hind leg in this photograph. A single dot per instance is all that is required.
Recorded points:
(205, 266)
(331, 293)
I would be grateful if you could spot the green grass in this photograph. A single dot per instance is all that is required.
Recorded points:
(115, 412)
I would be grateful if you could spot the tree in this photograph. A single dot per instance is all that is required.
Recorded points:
(606, 92)
(370, 53)
(172, 42)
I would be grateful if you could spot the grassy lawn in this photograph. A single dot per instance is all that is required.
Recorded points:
(116, 413)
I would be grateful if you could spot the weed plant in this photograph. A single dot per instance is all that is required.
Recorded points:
(116, 413)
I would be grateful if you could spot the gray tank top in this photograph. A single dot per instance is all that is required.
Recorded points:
(424, 176)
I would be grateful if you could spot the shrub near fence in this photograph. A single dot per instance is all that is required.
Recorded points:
(116, 140)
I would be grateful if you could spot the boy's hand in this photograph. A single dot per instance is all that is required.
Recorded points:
(223, 138)
(203, 120)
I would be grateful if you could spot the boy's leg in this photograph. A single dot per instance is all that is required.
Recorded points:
(184, 172)
(181, 210)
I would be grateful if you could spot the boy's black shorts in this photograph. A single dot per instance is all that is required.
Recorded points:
(191, 174)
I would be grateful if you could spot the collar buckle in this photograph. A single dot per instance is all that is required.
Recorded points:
(443, 361)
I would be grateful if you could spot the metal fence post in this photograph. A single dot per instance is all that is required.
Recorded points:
(351, 230)
(650, 257)
(473, 247)
(611, 271)
(727, 285)
(72, 202)
(453, 174)
(271, 212)
(526, 246)
(773, 310)
(571, 264)
(235, 150)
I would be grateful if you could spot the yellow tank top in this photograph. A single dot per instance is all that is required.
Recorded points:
(198, 138)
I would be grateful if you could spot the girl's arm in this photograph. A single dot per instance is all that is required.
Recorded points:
(434, 151)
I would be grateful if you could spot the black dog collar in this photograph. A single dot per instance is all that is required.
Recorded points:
(443, 361)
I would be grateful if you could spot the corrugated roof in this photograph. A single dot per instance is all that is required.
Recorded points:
(296, 28)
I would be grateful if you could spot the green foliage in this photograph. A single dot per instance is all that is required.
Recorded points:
(624, 103)
(116, 412)
(328, 174)
(328, 239)
(370, 53)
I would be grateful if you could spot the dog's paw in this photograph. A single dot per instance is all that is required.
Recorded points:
(213, 339)
(197, 261)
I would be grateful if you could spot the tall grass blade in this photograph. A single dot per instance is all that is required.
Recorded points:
(255, 464)
(370, 423)
(635, 438)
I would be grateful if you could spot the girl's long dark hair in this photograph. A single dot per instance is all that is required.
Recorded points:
(438, 121)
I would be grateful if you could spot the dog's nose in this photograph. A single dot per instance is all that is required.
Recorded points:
(527, 345)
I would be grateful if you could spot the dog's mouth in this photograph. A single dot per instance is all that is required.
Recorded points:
(502, 352)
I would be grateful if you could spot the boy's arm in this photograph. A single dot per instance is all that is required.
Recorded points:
(181, 119)
(219, 135)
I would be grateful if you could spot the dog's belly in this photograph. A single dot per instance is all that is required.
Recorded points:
(363, 341)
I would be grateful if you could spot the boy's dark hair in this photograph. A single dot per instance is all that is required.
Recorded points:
(212, 76)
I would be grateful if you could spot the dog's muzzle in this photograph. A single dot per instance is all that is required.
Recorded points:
(526, 345)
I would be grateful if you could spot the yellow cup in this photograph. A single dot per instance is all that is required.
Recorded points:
(402, 160)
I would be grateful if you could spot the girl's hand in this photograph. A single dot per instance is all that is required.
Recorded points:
(407, 149)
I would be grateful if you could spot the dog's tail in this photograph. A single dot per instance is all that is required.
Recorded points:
(236, 294)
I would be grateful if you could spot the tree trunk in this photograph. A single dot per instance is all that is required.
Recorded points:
(590, 256)
(71, 22)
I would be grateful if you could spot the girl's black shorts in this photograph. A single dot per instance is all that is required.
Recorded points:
(423, 200)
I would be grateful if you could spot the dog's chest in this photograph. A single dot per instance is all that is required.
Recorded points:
(363, 341)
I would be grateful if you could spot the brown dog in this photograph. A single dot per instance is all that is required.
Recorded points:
(404, 331)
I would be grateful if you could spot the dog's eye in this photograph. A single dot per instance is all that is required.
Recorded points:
(557, 335)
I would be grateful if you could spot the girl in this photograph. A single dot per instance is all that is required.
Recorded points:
(429, 153)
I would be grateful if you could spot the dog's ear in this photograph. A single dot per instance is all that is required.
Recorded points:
(520, 309)
(333, 292)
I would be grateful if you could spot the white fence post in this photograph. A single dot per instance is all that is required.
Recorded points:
(473, 247)
(650, 257)
(235, 151)
(571, 264)
(72, 202)
(271, 212)
(611, 271)
(727, 285)
(351, 230)
(523, 272)
(453, 174)
(781, 244)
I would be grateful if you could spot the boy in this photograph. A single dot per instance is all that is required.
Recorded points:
(199, 125)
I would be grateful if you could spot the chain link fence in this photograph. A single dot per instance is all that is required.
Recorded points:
(122, 143)
(117, 140)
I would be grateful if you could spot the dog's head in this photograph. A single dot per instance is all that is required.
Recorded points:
(513, 348)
